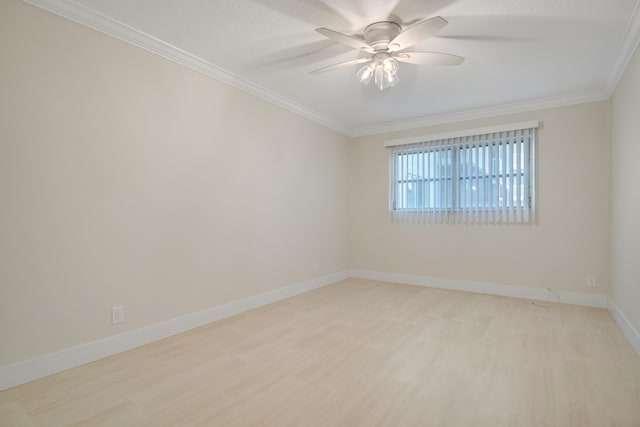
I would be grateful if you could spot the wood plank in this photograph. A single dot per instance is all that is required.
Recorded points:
(359, 353)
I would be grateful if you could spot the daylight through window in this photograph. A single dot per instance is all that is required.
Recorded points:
(482, 178)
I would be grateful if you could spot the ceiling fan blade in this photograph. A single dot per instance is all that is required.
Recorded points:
(409, 12)
(417, 33)
(341, 64)
(351, 41)
(429, 58)
(479, 38)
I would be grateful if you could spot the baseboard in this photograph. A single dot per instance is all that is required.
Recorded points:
(539, 294)
(52, 363)
(625, 325)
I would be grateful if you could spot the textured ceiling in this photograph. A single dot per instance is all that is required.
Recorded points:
(518, 52)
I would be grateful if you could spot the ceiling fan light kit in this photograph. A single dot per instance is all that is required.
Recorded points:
(386, 43)
(383, 70)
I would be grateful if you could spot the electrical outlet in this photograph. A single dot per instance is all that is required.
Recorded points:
(591, 281)
(117, 314)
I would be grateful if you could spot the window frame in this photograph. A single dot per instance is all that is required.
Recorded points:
(517, 165)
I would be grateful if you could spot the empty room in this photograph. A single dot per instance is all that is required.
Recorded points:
(319, 213)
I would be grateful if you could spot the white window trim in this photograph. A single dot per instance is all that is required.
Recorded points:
(463, 133)
(507, 216)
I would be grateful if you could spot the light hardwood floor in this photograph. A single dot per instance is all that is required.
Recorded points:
(359, 353)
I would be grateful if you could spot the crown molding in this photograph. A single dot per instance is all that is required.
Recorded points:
(627, 49)
(507, 127)
(99, 22)
(75, 12)
(482, 113)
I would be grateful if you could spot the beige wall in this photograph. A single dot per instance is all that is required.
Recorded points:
(570, 241)
(128, 179)
(625, 195)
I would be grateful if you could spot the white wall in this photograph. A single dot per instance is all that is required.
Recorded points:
(625, 194)
(570, 241)
(128, 179)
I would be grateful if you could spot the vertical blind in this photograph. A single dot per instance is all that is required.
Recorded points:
(485, 178)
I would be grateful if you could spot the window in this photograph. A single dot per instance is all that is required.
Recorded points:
(482, 176)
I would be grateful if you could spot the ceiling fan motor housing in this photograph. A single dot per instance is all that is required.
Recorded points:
(379, 34)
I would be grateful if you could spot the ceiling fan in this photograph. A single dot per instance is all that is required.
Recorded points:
(385, 43)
